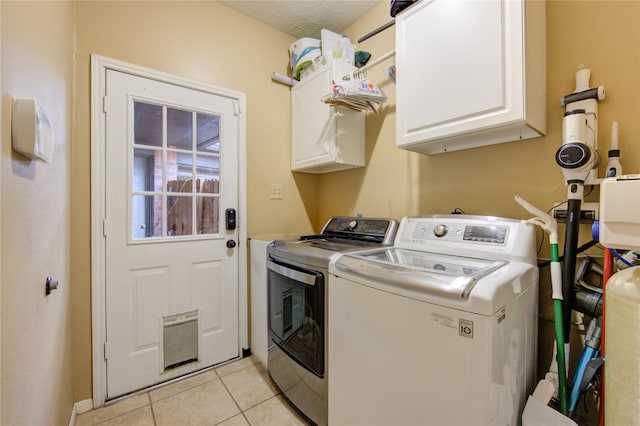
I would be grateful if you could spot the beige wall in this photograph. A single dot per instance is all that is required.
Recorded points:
(37, 55)
(207, 42)
(602, 35)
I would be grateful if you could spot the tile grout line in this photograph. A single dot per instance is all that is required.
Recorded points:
(153, 413)
(157, 386)
(183, 390)
(231, 395)
(217, 377)
(236, 402)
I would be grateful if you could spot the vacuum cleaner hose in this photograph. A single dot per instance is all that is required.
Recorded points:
(569, 265)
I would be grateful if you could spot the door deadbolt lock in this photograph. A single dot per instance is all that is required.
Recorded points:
(231, 244)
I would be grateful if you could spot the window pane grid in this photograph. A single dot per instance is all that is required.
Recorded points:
(175, 190)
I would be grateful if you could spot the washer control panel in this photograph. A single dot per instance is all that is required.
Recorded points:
(448, 230)
(469, 235)
(451, 231)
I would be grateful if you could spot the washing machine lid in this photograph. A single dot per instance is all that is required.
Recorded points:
(417, 271)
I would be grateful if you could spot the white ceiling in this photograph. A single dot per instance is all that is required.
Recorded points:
(305, 18)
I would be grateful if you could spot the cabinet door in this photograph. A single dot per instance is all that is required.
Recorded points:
(460, 69)
(313, 129)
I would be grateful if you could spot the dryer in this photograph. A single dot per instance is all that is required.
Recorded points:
(440, 329)
(297, 292)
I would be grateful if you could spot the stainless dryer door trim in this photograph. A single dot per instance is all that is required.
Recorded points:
(299, 276)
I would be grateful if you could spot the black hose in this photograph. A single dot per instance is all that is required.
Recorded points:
(569, 264)
(585, 246)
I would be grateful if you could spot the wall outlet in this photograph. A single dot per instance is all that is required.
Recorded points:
(588, 212)
(276, 192)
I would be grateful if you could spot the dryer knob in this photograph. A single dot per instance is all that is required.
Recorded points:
(440, 230)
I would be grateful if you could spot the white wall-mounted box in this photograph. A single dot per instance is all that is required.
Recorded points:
(620, 212)
(31, 131)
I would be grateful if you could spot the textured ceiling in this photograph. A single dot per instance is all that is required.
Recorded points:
(305, 18)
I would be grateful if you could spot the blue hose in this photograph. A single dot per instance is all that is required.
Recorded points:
(620, 258)
(591, 350)
(587, 355)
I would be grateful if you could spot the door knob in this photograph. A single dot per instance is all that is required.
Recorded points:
(231, 244)
(50, 285)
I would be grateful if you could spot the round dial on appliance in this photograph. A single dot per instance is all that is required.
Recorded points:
(573, 155)
(440, 230)
(353, 224)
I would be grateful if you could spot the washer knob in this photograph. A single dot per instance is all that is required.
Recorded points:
(440, 230)
(353, 224)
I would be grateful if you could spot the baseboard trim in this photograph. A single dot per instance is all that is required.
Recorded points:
(79, 408)
(72, 420)
(84, 406)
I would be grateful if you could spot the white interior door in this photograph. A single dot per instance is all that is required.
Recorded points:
(171, 286)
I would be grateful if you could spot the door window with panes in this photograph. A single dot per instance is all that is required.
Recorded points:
(176, 172)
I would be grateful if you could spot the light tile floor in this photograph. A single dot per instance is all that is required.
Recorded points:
(236, 394)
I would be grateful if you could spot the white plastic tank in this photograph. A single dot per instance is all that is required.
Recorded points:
(622, 337)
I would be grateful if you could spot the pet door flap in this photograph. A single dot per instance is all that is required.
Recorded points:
(180, 339)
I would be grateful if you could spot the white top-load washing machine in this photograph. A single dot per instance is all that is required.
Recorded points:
(440, 329)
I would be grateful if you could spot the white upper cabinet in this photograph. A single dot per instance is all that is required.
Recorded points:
(324, 138)
(470, 73)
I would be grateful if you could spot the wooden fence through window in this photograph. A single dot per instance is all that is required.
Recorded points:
(179, 207)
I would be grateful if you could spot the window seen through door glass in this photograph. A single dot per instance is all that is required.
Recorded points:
(175, 176)
(147, 124)
(208, 129)
(143, 159)
(147, 216)
(179, 129)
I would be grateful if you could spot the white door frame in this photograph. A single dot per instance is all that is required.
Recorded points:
(99, 67)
